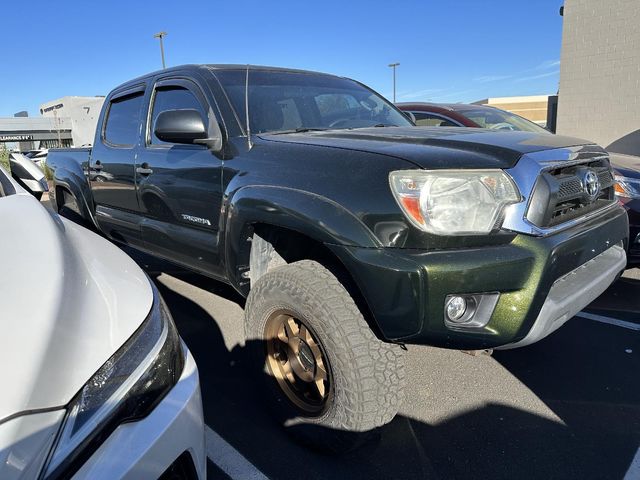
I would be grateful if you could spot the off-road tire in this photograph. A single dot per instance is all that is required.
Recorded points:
(368, 374)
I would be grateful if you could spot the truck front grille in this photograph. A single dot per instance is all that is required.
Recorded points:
(561, 193)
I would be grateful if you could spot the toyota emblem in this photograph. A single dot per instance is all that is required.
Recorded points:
(591, 184)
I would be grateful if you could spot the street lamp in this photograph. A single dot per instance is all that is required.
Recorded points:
(161, 35)
(394, 65)
(57, 122)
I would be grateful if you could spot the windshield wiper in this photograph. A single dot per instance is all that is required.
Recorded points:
(297, 130)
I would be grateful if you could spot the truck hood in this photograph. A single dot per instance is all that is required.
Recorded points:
(436, 147)
(70, 300)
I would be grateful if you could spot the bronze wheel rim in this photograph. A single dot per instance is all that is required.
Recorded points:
(298, 362)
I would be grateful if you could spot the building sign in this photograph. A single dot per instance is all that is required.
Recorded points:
(15, 138)
(52, 107)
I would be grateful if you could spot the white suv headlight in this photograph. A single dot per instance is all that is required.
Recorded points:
(126, 388)
(454, 202)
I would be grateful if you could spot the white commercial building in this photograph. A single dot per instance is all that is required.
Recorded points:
(66, 122)
(81, 112)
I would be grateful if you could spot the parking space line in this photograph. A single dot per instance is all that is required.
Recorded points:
(634, 469)
(228, 459)
(610, 321)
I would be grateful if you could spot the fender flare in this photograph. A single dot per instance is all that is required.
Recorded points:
(76, 183)
(312, 215)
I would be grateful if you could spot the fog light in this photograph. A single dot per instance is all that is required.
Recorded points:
(469, 311)
(456, 308)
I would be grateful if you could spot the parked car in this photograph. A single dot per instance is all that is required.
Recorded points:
(478, 116)
(350, 231)
(96, 382)
(465, 115)
(627, 170)
(37, 156)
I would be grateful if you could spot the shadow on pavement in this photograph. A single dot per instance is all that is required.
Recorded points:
(587, 374)
(622, 296)
(601, 419)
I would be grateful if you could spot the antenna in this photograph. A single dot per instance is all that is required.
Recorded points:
(246, 107)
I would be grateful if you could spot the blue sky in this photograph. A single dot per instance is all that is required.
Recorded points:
(449, 51)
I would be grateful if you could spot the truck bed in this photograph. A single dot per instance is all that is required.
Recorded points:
(68, 158)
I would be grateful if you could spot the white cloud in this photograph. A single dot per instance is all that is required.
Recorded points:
(535, 77)
(418, 93)
(453, 94)
(491, 78)
(547, 64)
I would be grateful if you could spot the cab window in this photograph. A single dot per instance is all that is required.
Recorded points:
(123, 120)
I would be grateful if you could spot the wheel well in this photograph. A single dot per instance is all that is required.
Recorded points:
(68, 206)
(291, 246)
(61, 196)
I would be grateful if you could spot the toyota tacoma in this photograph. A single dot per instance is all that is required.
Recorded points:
(350, 231)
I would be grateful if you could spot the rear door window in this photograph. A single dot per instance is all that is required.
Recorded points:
(123, 120)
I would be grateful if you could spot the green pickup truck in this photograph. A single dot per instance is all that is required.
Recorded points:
(350, 231)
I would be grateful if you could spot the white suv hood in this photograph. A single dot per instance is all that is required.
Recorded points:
(68, 301)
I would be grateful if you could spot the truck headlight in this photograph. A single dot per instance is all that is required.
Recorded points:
(627, 187)
(126, 388)
(454, 202)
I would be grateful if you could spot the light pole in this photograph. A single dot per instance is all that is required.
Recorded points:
(394, 65)
(161, 35)
(57, 122)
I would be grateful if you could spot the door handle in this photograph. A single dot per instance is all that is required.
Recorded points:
(144, 170)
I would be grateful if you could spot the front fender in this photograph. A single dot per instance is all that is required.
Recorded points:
(312, 215)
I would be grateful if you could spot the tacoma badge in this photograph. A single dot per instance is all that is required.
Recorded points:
(191, 218)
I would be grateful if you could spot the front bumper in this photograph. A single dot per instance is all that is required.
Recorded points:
(405, 290)
(572, 292)
(147, 448)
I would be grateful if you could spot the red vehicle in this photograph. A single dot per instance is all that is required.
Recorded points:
(464, 115)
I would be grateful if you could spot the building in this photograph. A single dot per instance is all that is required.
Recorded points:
(24, 146)
(533, 107)
(68, 121)
(82, 112)
(35, 132)
(600, 73)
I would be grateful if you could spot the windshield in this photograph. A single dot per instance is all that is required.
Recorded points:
(500, 120)
(289, 101)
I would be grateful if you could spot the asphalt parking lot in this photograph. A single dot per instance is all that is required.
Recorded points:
(566, 407)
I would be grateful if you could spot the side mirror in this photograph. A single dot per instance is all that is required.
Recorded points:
(187, 126)
(180, 126)
(411, 116)
(28, 175)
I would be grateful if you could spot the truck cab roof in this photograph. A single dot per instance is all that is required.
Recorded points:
(221, 66)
